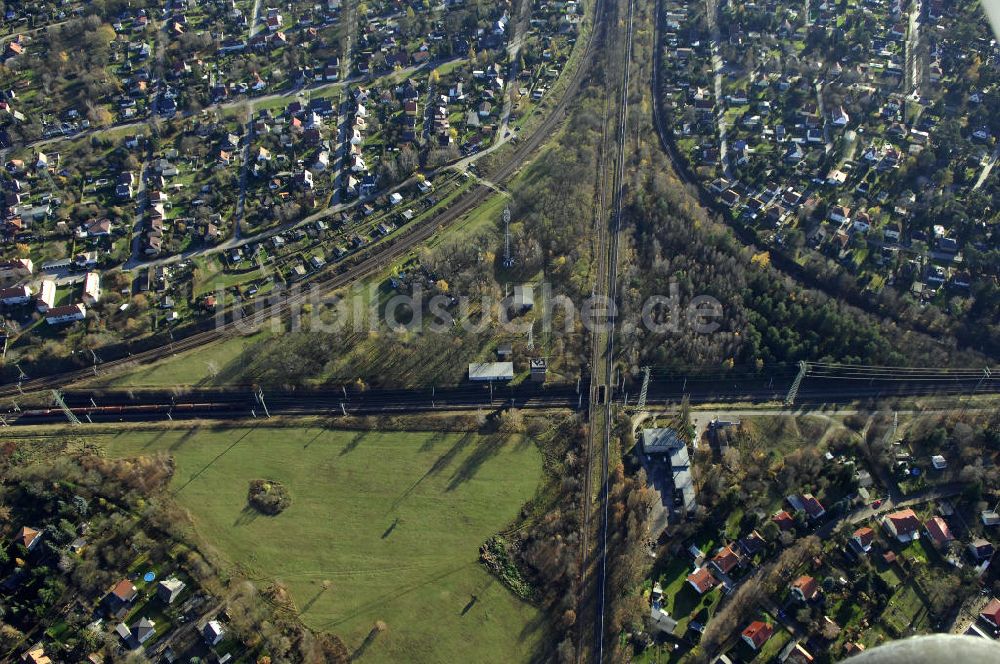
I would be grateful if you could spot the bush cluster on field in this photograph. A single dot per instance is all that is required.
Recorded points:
(268, 497)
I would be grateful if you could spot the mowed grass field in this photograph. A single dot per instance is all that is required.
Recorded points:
(198, 367)
(391, 521)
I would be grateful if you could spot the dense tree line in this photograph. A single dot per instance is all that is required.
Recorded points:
(766, 319)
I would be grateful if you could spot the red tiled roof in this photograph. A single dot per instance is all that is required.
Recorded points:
(783, 519)
(865, 536)
(813, 507)
(124, 590)
(26, 536)
(726, 559)
(758, 633)
(904, 521)
(937, 529)
(992, 612)
(806, 585)
(702, 580)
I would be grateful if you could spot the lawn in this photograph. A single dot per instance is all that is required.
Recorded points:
(382, 526)
(906, 613)
(888, 573)
(207, 365)
(682, 601)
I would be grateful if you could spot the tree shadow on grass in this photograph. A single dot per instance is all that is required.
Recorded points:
(312, 600)
(353, 443)
(188, 435)
(218, 456)
(484, 451)
(247, 516)
(439, 465)
(537, 623)
(394, 595)
(431, 441)
(391, 528)
(360, 651)
(152, 441)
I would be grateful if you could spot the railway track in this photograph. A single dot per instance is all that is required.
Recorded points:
(607, 227)
(600, 213)
(361, 265)
(247, 402)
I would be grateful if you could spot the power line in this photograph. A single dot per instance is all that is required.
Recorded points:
(70, 415)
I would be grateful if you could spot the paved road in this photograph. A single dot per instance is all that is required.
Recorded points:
(717, 66)
(985, 173)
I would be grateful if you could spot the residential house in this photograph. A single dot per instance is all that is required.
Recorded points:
(938, 532)
(725, 560)
(46, 297)
(903, 525)
(143, 630)
(812, 506)
(991, 613)
(28, 537)
(784, 520)
(95, 228)
(36, 655)
(840, 117)
(16, 295)
(756, 634)
(702, 580)
(863, 538)
(981, 549)
(213, 632)
(65, 314)
(805, 588)
(16, 268)
(168, 589)
(119, 599)
(795, 653)
(92, 288)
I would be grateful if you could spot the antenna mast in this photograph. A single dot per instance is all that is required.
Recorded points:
(508, 260)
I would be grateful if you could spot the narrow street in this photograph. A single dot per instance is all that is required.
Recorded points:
(912, 51)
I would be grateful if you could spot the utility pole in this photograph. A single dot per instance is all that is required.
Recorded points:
(260, 400)
(641, 406)
(70, 415)
(986, 374)
(793, 391)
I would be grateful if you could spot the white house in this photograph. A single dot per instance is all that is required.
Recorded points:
(213, 632)
(46, 297)
(15, 295)
(66, 314)
(92, 288)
